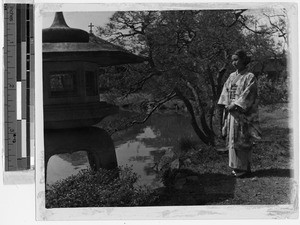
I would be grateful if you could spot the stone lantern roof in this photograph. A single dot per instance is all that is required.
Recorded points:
(59, 31)
(62, 43)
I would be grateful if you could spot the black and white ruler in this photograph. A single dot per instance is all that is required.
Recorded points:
(18, 85)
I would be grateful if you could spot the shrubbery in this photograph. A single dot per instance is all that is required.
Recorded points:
(104, 188)
(177, 161)
(271, 92)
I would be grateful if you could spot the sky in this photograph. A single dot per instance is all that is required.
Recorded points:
(80, 20)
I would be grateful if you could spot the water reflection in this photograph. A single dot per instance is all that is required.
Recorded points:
(139, 147)
(147, 133)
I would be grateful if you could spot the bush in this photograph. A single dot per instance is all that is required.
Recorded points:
(104, 188)
(271, 92)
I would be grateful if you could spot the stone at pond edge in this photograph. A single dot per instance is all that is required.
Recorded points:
(166, 159)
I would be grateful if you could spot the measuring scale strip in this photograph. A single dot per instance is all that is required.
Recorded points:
(17, 60)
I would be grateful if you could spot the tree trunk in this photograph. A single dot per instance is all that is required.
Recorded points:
(219, 90)
(201, 114)
(206, 139)
(210, 117)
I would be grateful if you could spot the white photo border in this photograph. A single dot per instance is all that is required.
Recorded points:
(170, 212)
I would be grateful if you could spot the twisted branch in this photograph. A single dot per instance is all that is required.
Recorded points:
(131, 123)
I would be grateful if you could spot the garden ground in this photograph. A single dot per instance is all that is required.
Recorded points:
(271, 182)
(206, 180)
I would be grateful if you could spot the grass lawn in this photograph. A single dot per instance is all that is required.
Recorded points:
(270, 183)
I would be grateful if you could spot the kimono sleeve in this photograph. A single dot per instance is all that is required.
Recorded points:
(248, 97)
(224, 97)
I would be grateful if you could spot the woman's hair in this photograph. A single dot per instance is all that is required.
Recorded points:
(243, 56)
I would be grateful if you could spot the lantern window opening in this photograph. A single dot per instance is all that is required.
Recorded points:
(91, 83)
(63, 84)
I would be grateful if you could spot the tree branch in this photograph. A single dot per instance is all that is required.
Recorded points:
(283, 34)
(139, 84)
(159, 103)
(219, 79)
(237, 16)
(250, 29)
(198, 101)
(211, 80)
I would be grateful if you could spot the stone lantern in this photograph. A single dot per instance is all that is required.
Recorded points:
(71, 99)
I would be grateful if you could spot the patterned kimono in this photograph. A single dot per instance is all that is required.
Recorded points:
(240, 125)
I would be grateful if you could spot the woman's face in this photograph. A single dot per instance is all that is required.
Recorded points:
(237, 62)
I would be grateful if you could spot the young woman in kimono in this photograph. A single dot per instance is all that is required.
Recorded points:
(239, 98)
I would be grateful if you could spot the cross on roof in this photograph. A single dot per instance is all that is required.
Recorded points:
(91, 27)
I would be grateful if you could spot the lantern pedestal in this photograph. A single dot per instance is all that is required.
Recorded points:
(95, 141)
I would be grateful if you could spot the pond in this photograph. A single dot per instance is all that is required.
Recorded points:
(138, 147)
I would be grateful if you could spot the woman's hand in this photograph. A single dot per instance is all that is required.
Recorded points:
(231, 107)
